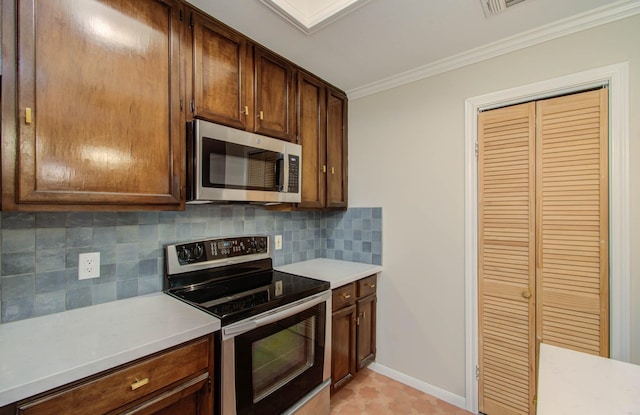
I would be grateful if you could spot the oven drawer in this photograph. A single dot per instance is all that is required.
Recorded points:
(116, 389)
(367, 286)
(343, 296)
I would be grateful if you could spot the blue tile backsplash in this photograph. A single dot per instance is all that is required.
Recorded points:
(39, 251)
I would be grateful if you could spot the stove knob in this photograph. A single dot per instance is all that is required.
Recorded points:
(183, 254)
(197, 251)
(262, 244)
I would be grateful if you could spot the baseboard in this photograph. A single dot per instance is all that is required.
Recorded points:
(441, 394)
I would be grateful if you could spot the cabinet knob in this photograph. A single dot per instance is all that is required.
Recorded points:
(372, 286)
(261, 115)
(27, 115)
(333, 170)
(139, 383)
(324, 168)
(346, 296)
(246, 110)
(526, 293)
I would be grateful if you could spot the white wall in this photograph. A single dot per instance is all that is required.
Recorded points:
(406, 154)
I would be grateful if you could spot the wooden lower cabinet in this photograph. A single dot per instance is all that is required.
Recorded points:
(366, 322)
(343, 359)
(174, 381)
(353, 344)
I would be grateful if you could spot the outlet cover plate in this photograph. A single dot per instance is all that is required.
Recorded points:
(88, 265)
(278, 242)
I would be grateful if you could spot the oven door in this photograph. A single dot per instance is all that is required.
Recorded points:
(272, 362)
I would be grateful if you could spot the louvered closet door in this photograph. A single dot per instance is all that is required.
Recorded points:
(572, 238)
(506, 259)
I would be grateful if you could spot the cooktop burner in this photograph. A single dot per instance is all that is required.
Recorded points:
(233, 278)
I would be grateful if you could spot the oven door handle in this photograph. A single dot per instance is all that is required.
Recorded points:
(236, 330)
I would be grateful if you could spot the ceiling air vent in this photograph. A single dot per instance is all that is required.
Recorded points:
(493, 7)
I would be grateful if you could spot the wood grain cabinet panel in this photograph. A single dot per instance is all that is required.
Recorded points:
(366, 322)
(96, 121)
(367, 286)
(343, 296)
(337, 190)
(172, 382)
(274, 95)
(343, 351)
(221, 73)
(322, 132)
(311, 104)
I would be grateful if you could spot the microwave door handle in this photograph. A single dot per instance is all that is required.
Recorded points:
(280, 173)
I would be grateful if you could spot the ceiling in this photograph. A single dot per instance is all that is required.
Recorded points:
(384, 43)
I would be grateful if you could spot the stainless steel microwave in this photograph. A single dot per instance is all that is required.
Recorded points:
(225, 164)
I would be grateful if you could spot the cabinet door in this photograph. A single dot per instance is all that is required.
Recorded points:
(311, 136)
(274, 96)
(221, 76)
(98, 105)
(337, 191)
(366, 311)
(343, 347)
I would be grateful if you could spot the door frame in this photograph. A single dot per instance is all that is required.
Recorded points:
(616, 77)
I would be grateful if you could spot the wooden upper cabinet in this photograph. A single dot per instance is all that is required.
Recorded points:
(337, 191)
(96, 122)
(322, 132)
(274, 95)
(311, 136)
(222, 74)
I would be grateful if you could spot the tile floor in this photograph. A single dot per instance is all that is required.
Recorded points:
(371, 393)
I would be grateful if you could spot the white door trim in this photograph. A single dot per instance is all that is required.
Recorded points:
(617, 78)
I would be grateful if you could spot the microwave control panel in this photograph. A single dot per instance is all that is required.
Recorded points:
(294, 174)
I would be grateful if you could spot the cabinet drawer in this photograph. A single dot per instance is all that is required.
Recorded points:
(343, 296)
(116, 389)
(367, 286)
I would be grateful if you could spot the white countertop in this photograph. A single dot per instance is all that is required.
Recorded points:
(571, 382)
(336, 272)
(45, 352)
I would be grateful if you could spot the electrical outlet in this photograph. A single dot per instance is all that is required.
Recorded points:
(89, 265)
(278, 241)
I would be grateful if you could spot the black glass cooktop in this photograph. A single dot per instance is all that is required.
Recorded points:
(238, 292)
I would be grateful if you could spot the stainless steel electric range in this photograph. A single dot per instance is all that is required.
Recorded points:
(273, 350)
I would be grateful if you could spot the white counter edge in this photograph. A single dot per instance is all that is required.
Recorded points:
(23, 390)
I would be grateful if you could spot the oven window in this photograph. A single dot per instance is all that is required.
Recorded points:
(278, 364)
(282, 356)
(232, 166)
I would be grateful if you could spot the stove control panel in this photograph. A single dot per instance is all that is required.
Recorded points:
(213, 249)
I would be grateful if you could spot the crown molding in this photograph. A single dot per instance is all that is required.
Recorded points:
(596, 17)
